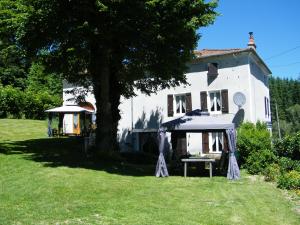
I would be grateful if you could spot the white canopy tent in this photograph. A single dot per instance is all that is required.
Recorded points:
(198, 121)
(69, 109)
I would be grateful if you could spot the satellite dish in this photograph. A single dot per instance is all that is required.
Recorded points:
(239, 99)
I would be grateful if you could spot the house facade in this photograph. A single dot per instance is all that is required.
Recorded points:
(231, 84)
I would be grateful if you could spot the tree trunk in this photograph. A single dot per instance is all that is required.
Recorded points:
(100, 69)
(115, 102)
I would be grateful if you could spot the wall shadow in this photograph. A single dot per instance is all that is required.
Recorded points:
(146, 125)
(152, 122)
(68, 152)
(238, 118)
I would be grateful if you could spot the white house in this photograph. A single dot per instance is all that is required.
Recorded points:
(231, 84)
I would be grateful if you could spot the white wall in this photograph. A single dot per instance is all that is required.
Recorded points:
(260, 89)
(233, 75)
(237, 73)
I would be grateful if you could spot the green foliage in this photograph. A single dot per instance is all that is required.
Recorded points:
(121, 46)
(289, 146)
(11, 102)
(19, 96)
(38, 79)
(252, 138)
(272, 172)
(289, 180)
(15, 103)
(258, 161)
(286, 164)
(285, 172)
(36, 104)
(13, 64)
(286, 94)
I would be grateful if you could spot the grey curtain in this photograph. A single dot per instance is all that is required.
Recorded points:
(161, 167)
(233, 172)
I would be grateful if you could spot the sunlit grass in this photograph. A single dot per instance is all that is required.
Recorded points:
(41, 183)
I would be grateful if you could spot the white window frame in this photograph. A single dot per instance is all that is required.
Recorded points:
(219, 135)
(215, 102)
(180, 104)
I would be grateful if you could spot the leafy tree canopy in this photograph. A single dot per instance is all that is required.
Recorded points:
(119, 45)
(12, 58)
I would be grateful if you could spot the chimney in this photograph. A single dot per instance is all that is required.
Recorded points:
(251, 43)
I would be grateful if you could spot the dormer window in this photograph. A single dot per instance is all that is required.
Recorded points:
(212, 69)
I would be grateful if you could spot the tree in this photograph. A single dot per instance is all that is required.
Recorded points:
(118, 45)
(13, 64)
(286, 94)
(39, 80)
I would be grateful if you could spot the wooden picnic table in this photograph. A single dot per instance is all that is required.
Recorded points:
(187, 160)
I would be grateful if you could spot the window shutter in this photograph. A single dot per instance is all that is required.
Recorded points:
(212, 69)
(170, 106)
(203, 99)
(268, 107)
(265, 101)
(225, 139)
(188, 102)
(205, 143)
(224, 94)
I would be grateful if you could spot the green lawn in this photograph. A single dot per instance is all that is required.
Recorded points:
(48, 181)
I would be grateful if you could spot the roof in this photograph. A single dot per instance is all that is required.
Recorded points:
(69, 109)
(205, 53)
(197, 120)
(211, 52)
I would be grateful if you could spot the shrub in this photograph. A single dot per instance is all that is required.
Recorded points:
(15, 103)
(37, 103)
(252, 138)
(11, 102)
(272, 172)
(285, 164)
(258, 161)
(290, 180)
(289, 146)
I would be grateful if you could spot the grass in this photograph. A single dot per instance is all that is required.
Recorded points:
(49, 181)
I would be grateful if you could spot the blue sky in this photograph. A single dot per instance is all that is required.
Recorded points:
(276, 27)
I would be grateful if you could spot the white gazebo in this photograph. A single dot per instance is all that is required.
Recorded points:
(73, 120)
(198, 121)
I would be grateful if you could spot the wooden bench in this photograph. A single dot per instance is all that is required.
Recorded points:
(186, 161)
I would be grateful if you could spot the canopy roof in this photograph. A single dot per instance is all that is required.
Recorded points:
(197, 120)
(69, 109)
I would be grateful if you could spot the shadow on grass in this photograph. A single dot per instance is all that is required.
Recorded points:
(69, 152)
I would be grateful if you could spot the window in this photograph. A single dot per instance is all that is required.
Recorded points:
(216, 142)
(215, 101)
(267, 107)
(180, 104)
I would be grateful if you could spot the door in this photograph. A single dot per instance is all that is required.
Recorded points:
(68, 124)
